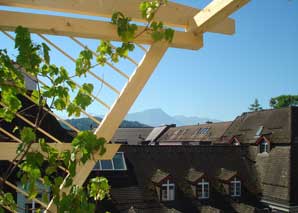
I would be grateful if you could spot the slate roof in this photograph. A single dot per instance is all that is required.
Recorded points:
(211, 132)
(131, 136)
(274, 123)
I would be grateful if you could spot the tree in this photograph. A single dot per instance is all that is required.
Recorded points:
(284, 101)
(255, 106)
(34, 58)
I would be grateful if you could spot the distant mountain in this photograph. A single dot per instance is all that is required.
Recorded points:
(157, 117)
(87, 123)
(192, 119)
(151, 117)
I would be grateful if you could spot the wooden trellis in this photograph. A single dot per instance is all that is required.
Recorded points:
(192, 22)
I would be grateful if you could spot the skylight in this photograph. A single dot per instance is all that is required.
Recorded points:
(202, 131)
(259, 131)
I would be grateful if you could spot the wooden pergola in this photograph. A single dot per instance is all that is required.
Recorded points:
(192, 24)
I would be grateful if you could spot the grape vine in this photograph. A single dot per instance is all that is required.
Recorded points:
(34, 60)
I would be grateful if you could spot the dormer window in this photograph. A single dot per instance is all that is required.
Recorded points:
(230, 182)
(199, 184)
(168, 191)
(234, 141)
(235, 187)
(203, 189)
(164, 185)
(264, 146)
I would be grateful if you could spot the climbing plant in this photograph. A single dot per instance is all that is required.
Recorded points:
(34, 60)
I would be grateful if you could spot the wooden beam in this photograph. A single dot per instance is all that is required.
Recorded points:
(22, 191)
(64, 26)
(213, 13)
(173, 14)
(8, 150)
(122, 105)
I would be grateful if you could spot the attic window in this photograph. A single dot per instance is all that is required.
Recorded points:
(235, 187)
(168, 191)
(116, 164)
(203, 189)
(235, 142)
(264, 146)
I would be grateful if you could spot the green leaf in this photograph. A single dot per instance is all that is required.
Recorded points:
(169, 34)
(83, 63)
(28, 135)
(46, 55)
(98, 188)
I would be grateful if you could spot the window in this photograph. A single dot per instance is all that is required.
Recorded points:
(117, 163)
(31, 207)
(168, 191)
(202, 131)
(264, 146)
(121, 141)
(235, 187)
(235, 142)
(203, 189)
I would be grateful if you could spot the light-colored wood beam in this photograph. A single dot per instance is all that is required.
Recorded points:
(22, 191)
(173, 14)
(213, 13)
(127, 97)
(55, 25)
(8, 150)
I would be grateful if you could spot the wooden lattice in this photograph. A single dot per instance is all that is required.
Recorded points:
(192, 22)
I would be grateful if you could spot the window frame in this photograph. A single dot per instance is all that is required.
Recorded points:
(266, 146)
(168, 184)
(34, 205)
(234, 182)
(203, 183)
(99, 162)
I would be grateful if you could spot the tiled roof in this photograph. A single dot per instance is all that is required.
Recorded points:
(154, 163)
(133, 136)
(211, 132)
(275, 124)
(156, 133)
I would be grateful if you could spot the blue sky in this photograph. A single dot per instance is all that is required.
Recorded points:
(222, 79)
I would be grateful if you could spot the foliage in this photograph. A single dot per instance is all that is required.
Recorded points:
(128, 32)
(284, 101)
(255, 106)
(33, 60)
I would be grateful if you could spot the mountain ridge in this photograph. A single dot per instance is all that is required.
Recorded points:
(158, 117)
